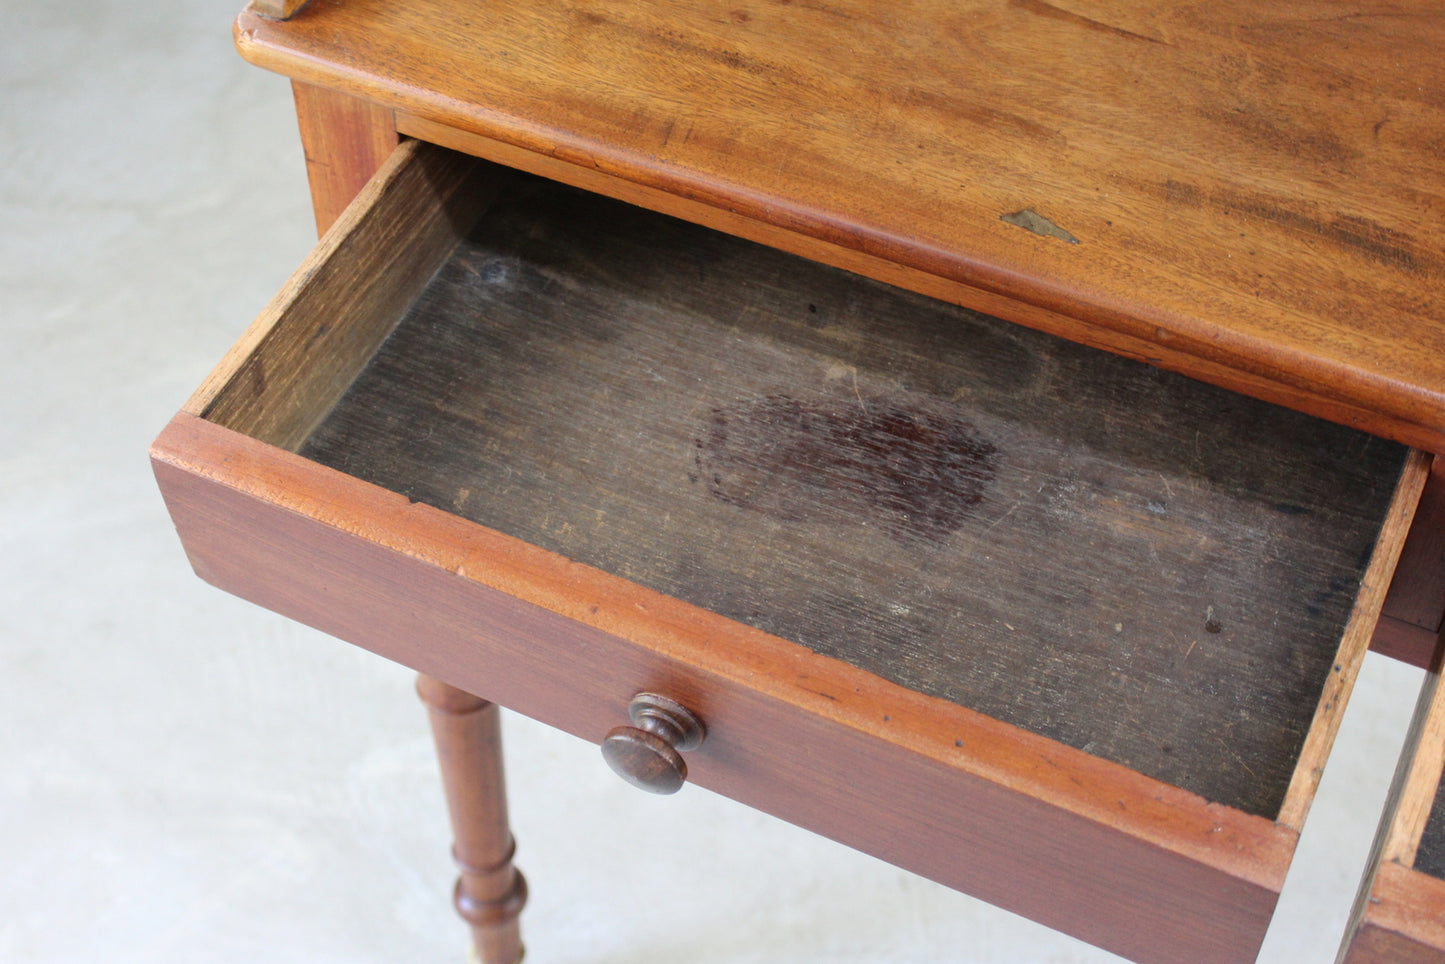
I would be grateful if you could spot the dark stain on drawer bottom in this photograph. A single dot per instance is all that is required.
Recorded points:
(838, 459)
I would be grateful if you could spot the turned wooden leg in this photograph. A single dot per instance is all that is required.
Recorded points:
(490, 892)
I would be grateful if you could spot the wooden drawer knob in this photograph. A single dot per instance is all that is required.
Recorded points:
(648, 753)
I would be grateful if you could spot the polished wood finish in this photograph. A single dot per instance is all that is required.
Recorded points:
(490, 893)
(648, 754)
(1251, 196)
(730, 221)
(346, 141)
(1131, 863)
(1255, 191)
(1358, 633)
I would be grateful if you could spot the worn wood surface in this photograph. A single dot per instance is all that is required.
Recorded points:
(346, 141)
(1399, 912)
(1404, 923)
(309, 344)
(1129, 562)
(1358, 633)
(1417, 837)
(900, 274)
(1080, 844)
(1255, 191)
(1430, 858)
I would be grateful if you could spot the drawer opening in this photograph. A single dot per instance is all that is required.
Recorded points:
(1140, 566)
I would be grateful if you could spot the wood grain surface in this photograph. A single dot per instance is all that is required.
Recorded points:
(490, 893)
(1144, 869)
(1417, 596)
(1127, 561)
(310, 342)
(1403, 924)
(1399, 913)
(1249, 193)
(346, 141)
(1430, 858)
(1417, 832)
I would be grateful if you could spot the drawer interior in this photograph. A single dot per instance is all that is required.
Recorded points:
(1430, 858)
(1138, 565)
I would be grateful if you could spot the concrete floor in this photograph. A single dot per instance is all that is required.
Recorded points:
(186, 778)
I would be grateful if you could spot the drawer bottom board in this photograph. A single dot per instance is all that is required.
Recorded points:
(1140, 566)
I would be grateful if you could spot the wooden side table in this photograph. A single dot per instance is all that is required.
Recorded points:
(793, 399)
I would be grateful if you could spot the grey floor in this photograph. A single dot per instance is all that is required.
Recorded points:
(186, 778)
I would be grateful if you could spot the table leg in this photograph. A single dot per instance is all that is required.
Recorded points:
(490, 892)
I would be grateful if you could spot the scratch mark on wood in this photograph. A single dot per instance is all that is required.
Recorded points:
(1031, 220)
(1236, 756)
(997, 521)
(1052, 12)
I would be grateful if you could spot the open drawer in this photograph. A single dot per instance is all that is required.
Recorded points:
(1057, 629)
(1400, 914)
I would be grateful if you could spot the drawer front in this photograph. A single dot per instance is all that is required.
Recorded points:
(1132, 865)
(853, 747)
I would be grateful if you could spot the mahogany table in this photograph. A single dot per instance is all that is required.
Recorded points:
(987, 433)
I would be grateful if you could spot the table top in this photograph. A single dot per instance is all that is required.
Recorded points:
(1252, 194)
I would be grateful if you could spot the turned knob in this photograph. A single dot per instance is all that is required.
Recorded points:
(647, 753)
